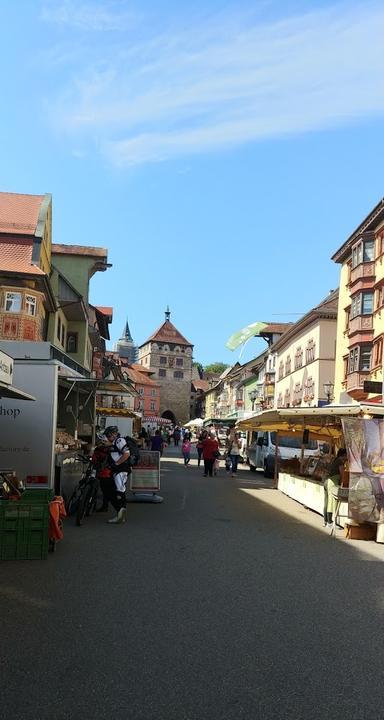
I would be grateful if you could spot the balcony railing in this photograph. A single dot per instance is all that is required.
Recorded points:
(364, 270)
(360, 323)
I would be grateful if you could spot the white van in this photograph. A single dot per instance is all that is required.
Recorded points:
(261, 450)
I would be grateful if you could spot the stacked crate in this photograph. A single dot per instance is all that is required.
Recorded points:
(24, 526)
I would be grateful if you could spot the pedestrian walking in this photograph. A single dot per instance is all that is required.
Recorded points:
(176, 436)
(157, 443)
(336, 477)
(199, 446)
(115, 490)
(186, 450)
(233, 451)
(210, 450)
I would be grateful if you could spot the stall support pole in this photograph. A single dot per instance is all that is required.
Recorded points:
(302, 451)
(276, 473)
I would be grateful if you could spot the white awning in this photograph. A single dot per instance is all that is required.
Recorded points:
(8, 391)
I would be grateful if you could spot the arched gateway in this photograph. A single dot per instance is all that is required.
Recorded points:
(168, 415)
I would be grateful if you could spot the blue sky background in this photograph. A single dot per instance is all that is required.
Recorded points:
(221, 153)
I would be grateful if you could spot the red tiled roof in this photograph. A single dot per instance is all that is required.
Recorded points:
(167, 333)
(141, 368)
(105, 310)
(19, 213)
(58, 249)
(200, 384)
(139, 378)
(16, 256)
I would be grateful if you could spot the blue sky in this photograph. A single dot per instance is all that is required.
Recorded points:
(222, 152)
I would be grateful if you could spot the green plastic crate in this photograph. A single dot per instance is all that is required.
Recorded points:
(41, 495)
(23, 530)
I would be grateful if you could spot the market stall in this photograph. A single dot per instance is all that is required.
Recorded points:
(359, 427)
(128, 421)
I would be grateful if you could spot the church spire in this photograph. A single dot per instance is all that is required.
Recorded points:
(167, 313)
(127, 333)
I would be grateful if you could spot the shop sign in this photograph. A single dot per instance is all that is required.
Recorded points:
(6, 368)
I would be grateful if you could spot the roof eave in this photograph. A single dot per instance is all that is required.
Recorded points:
(373, 218)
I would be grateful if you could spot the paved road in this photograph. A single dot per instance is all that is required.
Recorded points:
(227, 601)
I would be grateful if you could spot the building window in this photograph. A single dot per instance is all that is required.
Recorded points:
(58, 328)
(297, 394)
(347, 317)
(367, 303)
(178, 374)
(162, 373)
(364, 251)
(353, 364)
(379, 297)
(380, 244)
(153, 406)
(288, 365)
(12, 302)
(345, 367)
(360, 358)
(179, 362)
(309, 389)
(362, 304)
(72, 339)
(378, 352)
(139, 404)
(163, 360)
(298, 358)
(310, 351)
(30, 305)
(153, 391)
(140, 391)
(281, 370)
(365, 357)
(63, 335)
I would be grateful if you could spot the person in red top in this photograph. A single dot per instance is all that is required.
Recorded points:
(210, 450)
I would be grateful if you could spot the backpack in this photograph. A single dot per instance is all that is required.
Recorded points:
(133, 449)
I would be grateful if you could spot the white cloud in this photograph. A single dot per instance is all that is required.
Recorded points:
(226, 81)
(95, 16)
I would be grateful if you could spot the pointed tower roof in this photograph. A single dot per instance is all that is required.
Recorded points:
(167, 333)
(127, 333)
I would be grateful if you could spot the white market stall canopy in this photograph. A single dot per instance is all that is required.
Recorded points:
(197, 422)
(320, 422)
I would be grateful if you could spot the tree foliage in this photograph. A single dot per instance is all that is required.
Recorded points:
(216, 367)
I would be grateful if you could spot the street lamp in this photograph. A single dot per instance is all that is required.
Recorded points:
(252, 396)
(328, 390)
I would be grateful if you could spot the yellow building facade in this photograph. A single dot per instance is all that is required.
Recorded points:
(360, 325)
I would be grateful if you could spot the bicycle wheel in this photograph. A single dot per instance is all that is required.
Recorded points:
(73, 502)
(83, 505)
(92, 500)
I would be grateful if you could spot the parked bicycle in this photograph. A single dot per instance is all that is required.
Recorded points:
(82, 502)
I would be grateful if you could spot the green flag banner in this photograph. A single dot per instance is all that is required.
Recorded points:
(241, 336)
